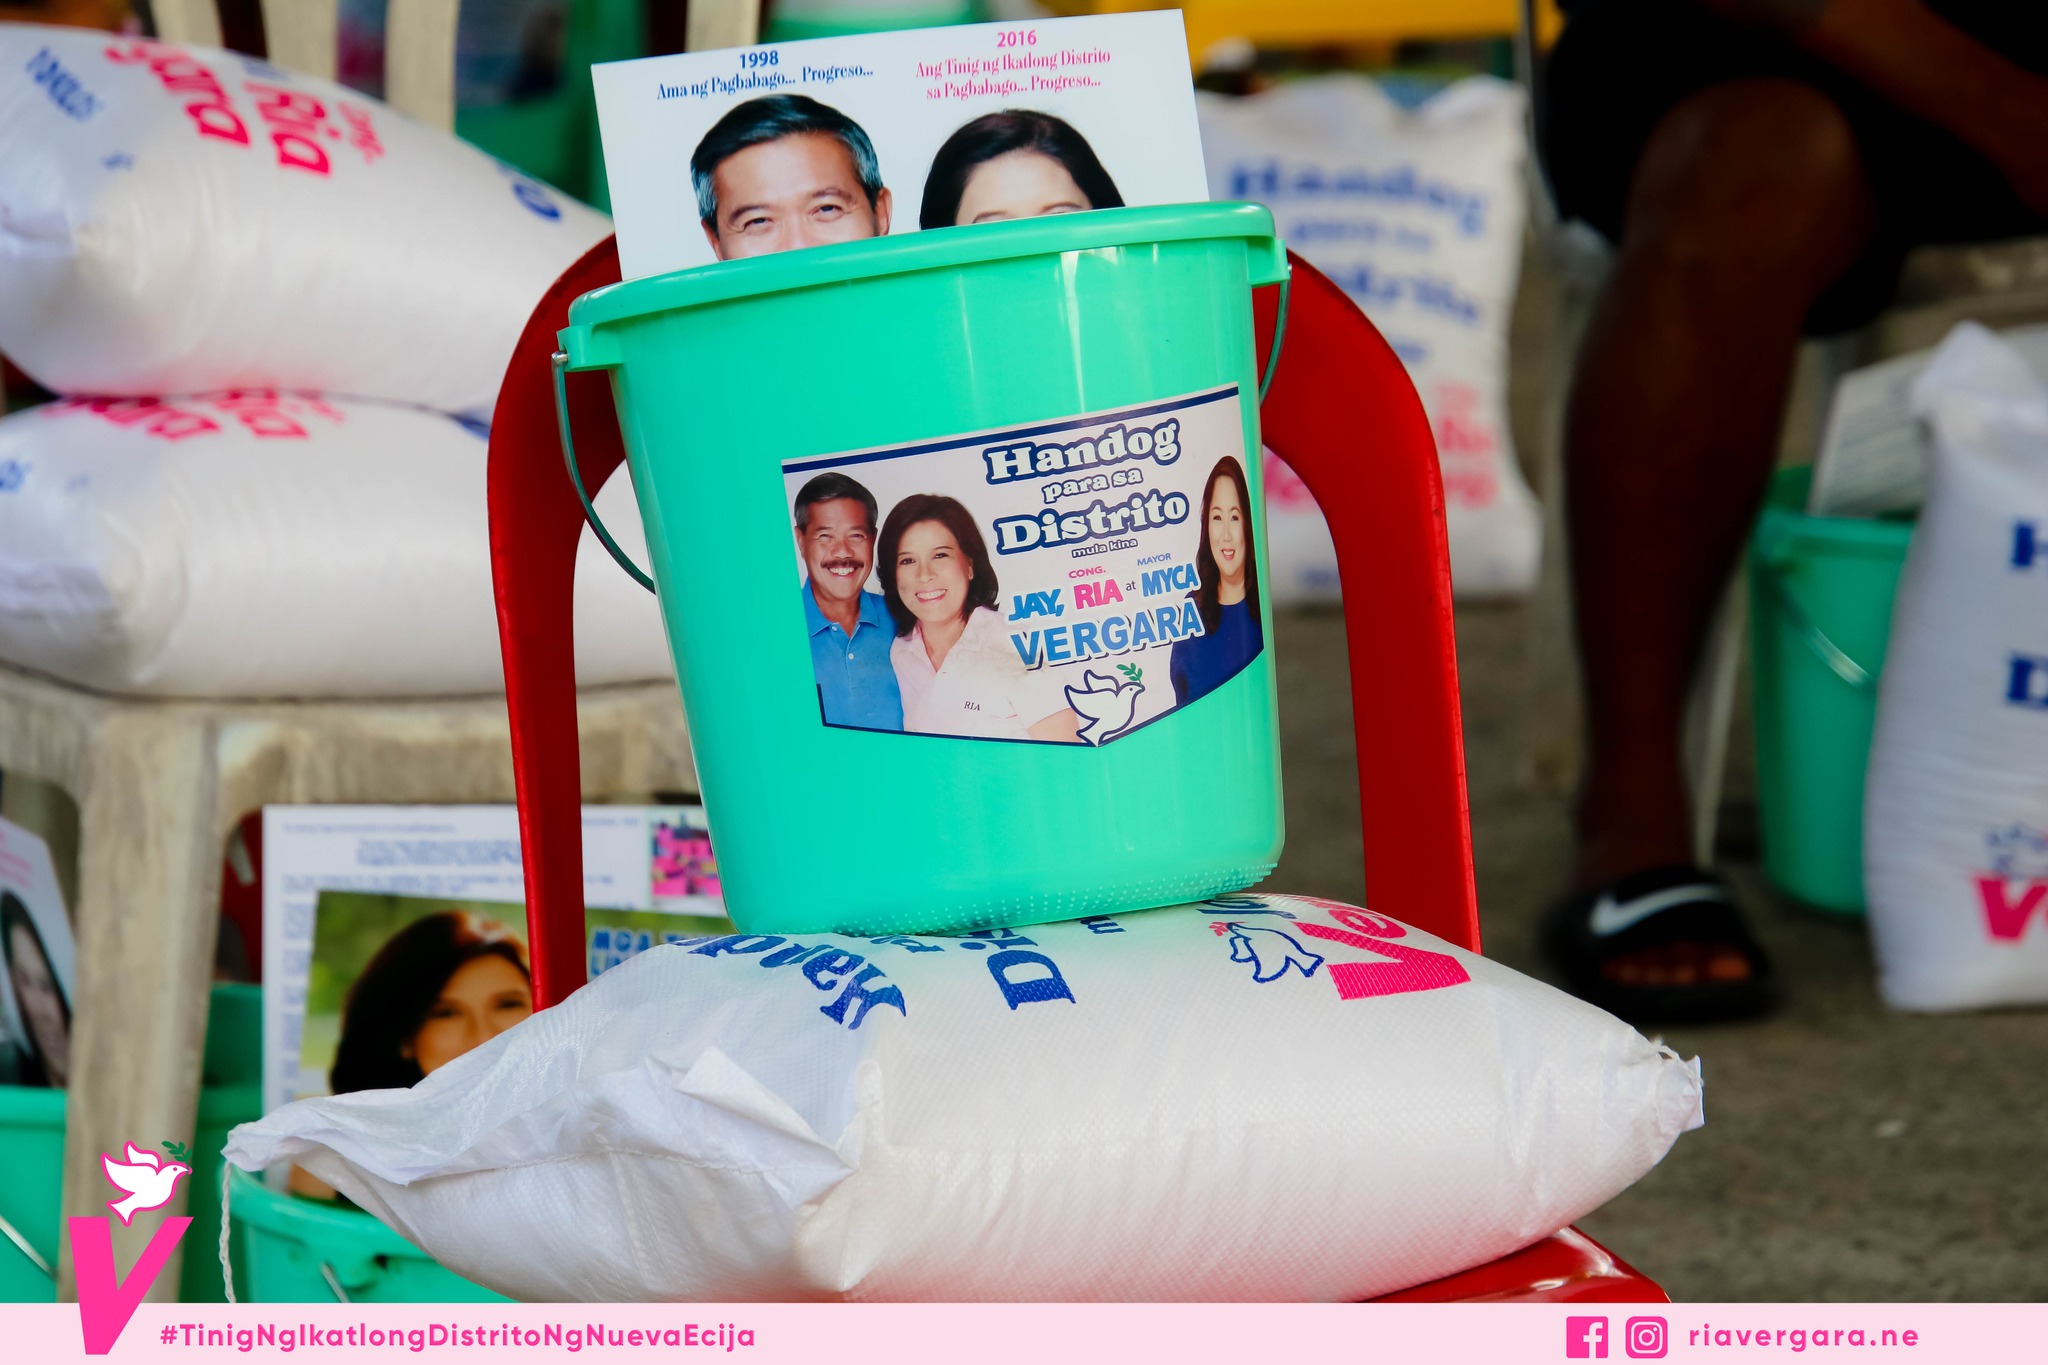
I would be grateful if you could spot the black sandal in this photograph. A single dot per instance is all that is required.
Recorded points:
(1664, 905)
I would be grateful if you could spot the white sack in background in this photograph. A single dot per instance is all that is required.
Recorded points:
(1955, 826)
(183, 219)
(1417, 215)
(1256, 1098)
(267, 544)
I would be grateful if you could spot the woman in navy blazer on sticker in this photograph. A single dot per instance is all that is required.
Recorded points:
(1227, 591)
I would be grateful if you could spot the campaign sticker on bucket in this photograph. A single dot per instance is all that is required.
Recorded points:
(1066, 582)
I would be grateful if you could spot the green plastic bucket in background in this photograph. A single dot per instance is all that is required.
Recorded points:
(32, 1152)
(790, 20)
(32, 1155)
(553, 136)
(736, 381)
(1821, 593)
(293, 1250)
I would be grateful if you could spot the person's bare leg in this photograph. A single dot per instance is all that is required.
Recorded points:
(1749, 200)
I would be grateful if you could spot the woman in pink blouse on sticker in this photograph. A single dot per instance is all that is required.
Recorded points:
(955, 666)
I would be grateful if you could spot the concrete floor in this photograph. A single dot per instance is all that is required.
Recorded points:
(1850, 1153)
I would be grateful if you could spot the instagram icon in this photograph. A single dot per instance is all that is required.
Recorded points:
(1646, 1338)
(1586, 1338)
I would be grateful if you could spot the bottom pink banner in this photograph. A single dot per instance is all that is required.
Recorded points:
(1030, 1334)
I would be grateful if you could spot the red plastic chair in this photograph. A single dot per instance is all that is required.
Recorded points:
(1565, 1267)
(1341, 412)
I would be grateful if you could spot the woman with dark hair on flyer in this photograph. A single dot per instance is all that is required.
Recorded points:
(954, 664)
(436, 989)
(1227, 591)
(45, 1052)
(442, 986)
(1015, 164)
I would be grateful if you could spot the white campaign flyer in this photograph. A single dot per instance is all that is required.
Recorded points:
(634, 858)
(717, 155)
(1874, 453)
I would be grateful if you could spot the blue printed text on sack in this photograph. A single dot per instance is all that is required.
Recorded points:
(1025, 977)
(64, 89)
(2027, 545)
(1268, 181)
(861, 987)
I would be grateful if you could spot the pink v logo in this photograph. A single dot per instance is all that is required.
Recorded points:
(2006, 918)
(105, 1302)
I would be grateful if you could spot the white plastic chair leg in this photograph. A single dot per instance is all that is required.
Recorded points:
(722, 23)
(187, 21)
(300, 35)
(419, 59)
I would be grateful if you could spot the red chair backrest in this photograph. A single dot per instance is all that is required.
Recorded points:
(1341, 412)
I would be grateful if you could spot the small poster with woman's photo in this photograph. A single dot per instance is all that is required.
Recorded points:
(713, 156)
(651, 862)
(1066, 582)
(38, 967)
(403, 985)
(400, 986)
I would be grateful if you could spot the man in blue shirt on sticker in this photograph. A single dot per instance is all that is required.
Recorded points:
(849, 627)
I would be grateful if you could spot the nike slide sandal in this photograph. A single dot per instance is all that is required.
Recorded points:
(1585, 932)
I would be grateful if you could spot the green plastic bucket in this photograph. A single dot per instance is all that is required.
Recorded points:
(948, 363)
(1821, 593)
(32, 1155)
(292, 1250)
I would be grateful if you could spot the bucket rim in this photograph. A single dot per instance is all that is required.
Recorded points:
(281, 1214)
(1784, 521)
(932, 249)
(26, 1107)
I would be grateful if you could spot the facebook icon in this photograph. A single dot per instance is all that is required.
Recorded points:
(1585, 1338)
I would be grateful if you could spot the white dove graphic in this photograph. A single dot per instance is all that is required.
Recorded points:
(148, 1183)
(1106, 705)
(1270, 959)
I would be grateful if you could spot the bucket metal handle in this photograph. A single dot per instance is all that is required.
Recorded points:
(1827, 651)
(560, 365)
(1279, 335)
(21, 1244)
(333, 1282)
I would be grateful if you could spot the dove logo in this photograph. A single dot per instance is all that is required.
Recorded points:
(1390, 969)
(105, 1301)
(2015, 885)
(1107, 705)
(148, 1180)
(1270, 951)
